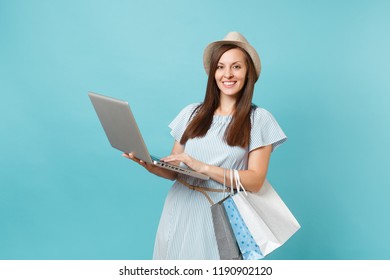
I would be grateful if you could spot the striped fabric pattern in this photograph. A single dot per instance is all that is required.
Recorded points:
(186, 229)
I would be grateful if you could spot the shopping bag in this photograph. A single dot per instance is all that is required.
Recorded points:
(227, 244)
(266, 215)
(248, 247)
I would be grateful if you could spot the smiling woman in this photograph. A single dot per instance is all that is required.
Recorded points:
(230, 74)
(224, 132)
(325, 77)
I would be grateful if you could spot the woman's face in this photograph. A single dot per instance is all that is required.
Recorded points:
(231, 72)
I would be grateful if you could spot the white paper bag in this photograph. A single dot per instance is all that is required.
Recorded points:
(267, 217)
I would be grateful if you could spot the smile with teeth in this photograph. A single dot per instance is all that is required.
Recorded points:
(229, 83)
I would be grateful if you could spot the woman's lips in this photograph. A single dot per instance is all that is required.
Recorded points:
(229, 84)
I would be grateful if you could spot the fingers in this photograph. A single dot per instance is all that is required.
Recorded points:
(171, 158)
(126, 155)
(133, 158)
(177, 159)
(129, 156)
(166, 159)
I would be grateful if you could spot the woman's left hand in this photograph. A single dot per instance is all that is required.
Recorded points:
(192, 163)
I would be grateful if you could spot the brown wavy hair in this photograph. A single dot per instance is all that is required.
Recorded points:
(238, 131)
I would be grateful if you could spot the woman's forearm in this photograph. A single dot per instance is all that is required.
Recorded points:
(161, 172)
(251, 180)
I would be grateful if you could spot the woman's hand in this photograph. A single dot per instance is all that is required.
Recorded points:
(165, 173)
(131, 156)
(192, 163)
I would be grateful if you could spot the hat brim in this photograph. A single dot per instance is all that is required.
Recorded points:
(247, 47)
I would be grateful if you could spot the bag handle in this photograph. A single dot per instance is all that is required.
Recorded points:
(224, 181)
(231, 182)
(234, 181)
(238, 183)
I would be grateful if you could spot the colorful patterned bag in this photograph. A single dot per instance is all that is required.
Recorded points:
(248, 247)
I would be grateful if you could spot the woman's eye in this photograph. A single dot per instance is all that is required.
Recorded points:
(237, 67)
(219, 67)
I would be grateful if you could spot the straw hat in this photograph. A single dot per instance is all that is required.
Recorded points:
(237, 39)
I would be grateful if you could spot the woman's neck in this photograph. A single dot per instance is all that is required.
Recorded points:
(226, 107)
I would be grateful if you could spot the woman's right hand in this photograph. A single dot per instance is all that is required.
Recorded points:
(137, 160)
(165, 173)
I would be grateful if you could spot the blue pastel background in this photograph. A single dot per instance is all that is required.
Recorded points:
(66, 194)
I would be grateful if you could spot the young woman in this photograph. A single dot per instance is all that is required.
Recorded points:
(224, 132)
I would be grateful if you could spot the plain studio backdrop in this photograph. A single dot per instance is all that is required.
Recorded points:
(66, 194)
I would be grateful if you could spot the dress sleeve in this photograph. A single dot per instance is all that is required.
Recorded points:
(265, 130)
(179, 124)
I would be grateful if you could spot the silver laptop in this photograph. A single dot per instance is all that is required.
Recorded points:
(123, 133)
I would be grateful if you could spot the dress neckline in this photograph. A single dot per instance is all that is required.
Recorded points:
(222, 118)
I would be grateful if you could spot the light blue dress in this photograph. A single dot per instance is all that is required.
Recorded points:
(186, 229)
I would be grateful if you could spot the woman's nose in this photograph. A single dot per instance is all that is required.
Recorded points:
(228, 74)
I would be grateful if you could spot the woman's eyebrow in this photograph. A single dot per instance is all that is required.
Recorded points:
(232, 63)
